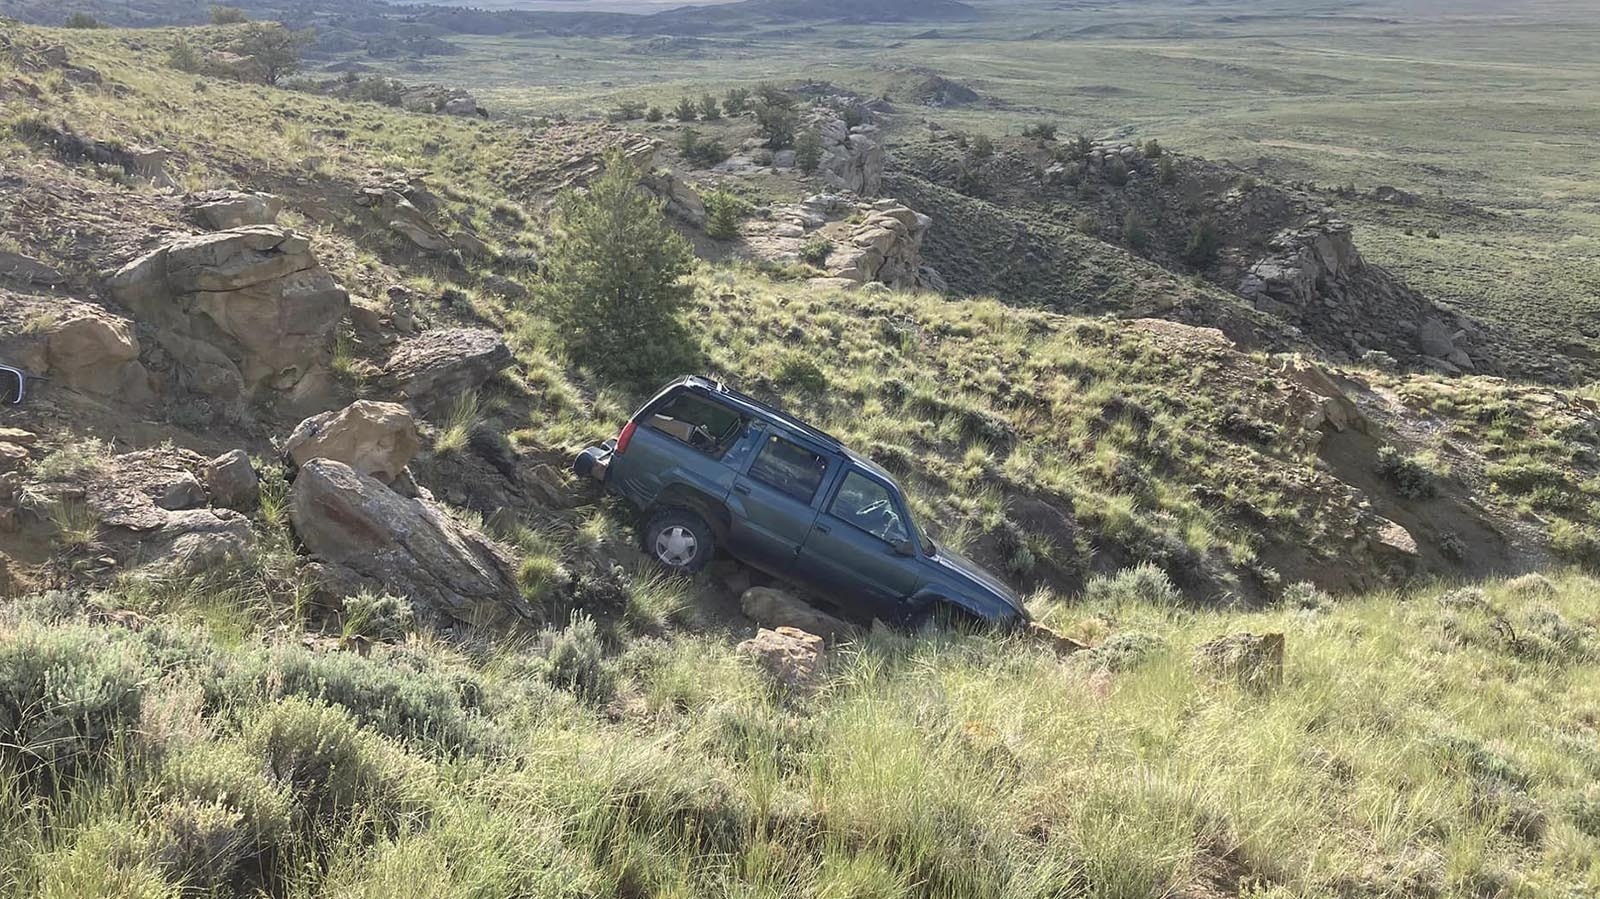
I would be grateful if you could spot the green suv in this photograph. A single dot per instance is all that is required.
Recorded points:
(717, 471)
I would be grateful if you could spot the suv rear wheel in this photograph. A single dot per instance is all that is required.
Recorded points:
(680, 540)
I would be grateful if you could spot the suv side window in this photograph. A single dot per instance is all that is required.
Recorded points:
(866, 504)
(789, 467)
(707, 426)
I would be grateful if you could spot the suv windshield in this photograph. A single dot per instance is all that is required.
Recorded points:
(707, 426)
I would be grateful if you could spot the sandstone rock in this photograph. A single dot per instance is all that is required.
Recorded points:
(219, 210)
(461, 106)
(255, 296)
(886, 247)
(505, 287)
(403, 546)
(772, 608)
(197, 541)
(791, 656)
(471, 245)
(232, 481)
(433, 370)
(95, 353)
(1334, 408)
(375, 439)
(1302, 261)
(1394, 538)
(682, 200)
(1060, 643)
(24, 270)
(1255, 661)
(12, 457)
(852, 158)
(18, 436)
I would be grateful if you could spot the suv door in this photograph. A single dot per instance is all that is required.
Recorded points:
(774, 502)
(853, 550)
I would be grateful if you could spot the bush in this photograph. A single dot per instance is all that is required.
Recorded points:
(613, 277)
(413, 702)
(1166, 171)
(1087, 223)
(686, 111)
(699, 152)
(724, 212)
(228, 776)
(182, 56)
(1116, 171)
(654, 114)
(1040, 131)
(574, 659)
(776, 119)
(315, 751)
(1201, 250)
(83, 20)
(66, 694)
(200, 844)
(1126, 651)
(1143, 583)
(808, 151)
(1411, 476)
(228, 15)
(378, 616)
(797, 369)
(626, 111)
(982, 147)
(736, 100)
(1307, 597)
(708, 108)
(1134, 235)
(816, 250)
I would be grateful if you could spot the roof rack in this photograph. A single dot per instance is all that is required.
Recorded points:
(823, 437)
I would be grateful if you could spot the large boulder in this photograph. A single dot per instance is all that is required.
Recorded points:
(232, 481)
(885, 247)
(219, 210)
(255, 296)
(434, 369)
(376, 439)
(852, 158)
(367, 533)
(773, 608)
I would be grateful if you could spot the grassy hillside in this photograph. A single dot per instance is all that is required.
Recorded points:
(1151, 486)
(1437, 743)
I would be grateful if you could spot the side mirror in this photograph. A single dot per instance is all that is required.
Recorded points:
(905, 548)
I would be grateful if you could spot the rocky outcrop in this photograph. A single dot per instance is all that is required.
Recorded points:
(1331, 406)
(852, 158)
(367, 535)
(1302, 260)
(682, 200)
(77, 346)
(19, 269)
(887, 248)
(375, 439)
(409, 209)
(791, 656)
(436, 368)
(243, 310)
(219, 210)
(773, 608)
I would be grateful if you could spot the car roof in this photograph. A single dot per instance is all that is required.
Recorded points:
(756, 407)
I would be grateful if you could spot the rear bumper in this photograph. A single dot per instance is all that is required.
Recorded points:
(594, 462)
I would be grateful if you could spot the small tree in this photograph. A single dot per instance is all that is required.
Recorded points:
(182, 56)
(1201, 251)
(612, 276)
(1079, 147)
(1152, 149)
(275, 48)
(776, 118)
(654, 114)
(1040, 131)
(1133, 232)
(982, 147)
(83, 20)
(626, 111)
(1166, 172)
(700, 153)
(708, 108)
(686, 110)
(736, 101)
(724, 212)
(228, 15)
(808, 150)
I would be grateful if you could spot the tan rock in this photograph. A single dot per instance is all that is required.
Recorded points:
(1393, 537)
(375, 439)
(12, 457)
(792, 656)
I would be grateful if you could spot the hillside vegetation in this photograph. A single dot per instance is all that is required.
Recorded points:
(242, 721)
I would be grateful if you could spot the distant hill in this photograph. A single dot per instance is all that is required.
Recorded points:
(732, 14)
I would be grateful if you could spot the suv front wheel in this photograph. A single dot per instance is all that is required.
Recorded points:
(679, 540)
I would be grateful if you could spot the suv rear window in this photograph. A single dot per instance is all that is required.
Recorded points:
(789, 467)
(705, 425)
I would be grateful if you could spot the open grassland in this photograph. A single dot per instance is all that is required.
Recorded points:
(1430, 743)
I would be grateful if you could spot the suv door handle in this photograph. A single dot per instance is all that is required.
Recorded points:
(742, 488)
(823, 529)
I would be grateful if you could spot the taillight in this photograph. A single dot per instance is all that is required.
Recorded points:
(624, 438)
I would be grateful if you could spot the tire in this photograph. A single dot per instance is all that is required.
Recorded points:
(943, 616)
(680, 541)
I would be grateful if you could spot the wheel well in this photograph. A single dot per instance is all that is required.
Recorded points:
(681, 497)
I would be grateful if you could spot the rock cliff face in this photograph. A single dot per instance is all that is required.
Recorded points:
(852, 158)
(242, 310)
(879, 241)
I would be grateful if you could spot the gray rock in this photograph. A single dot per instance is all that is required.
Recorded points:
(232, 481)
(219, 210)
(184, 492)
(21, 269)
(408, 547)
(433, 370)
(1435, 338)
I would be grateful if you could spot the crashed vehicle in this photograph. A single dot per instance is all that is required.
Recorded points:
(713, 470)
